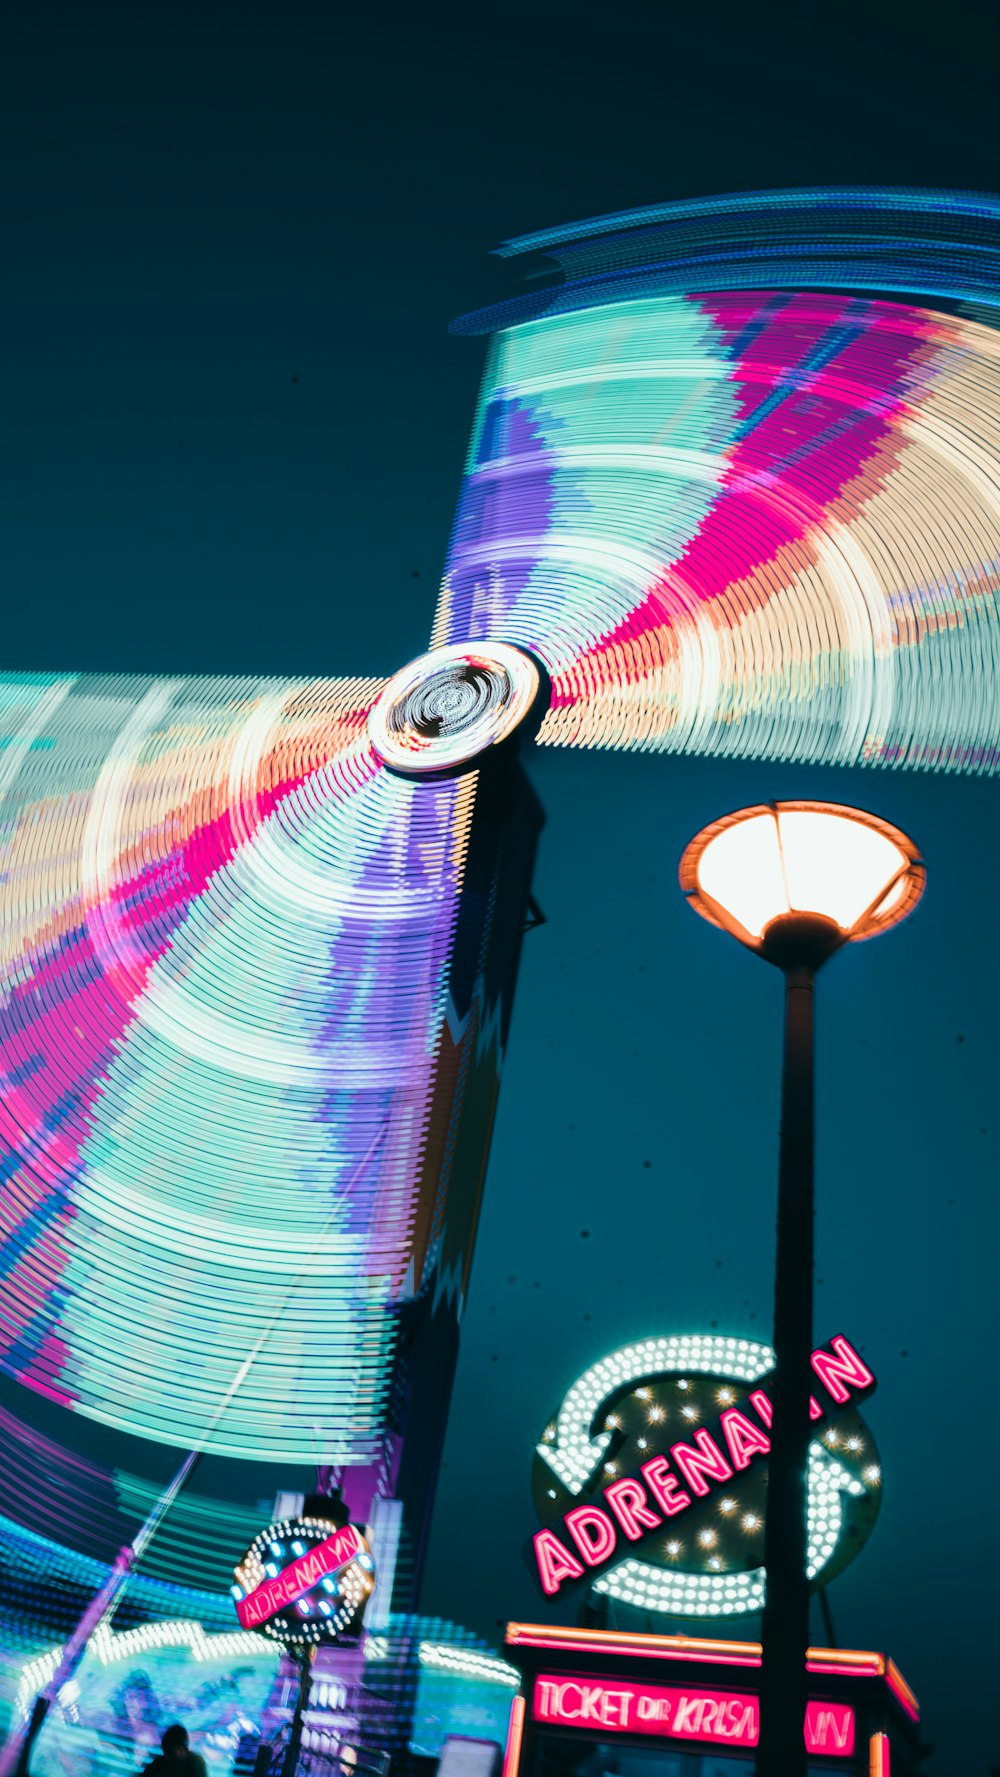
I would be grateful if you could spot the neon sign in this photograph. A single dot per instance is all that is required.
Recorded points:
(679, 1712)
(678, 1466)
(304, 1580)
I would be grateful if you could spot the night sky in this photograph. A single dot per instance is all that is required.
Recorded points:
(234, 425)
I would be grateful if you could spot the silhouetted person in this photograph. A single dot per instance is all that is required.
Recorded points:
(176, 1759)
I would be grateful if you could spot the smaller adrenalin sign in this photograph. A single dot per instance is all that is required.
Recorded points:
(304, 1581)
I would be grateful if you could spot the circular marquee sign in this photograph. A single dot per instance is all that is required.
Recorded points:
(304, 1581)
(450, 706)
(651, 1479)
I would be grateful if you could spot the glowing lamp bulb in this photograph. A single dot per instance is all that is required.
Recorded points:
(801, 877)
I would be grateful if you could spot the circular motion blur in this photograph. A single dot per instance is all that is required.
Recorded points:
(258, 939)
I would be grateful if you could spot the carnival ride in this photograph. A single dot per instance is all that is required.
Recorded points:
(732, 489)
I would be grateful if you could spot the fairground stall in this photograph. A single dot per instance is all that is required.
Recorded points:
(601, 1703)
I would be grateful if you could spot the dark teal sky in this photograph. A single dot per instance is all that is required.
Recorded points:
(233, 430)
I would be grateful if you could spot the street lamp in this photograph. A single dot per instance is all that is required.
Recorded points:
(794, 881)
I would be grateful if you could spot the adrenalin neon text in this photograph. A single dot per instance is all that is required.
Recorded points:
(633, 1506)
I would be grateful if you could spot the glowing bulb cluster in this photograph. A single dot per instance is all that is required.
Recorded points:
(827, 1479)
(705, 1572)
(468, 1663)
(574, 1454)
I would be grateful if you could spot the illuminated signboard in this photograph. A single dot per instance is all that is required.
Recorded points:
(305, 1580)
(678, 1712)
(651, 1481)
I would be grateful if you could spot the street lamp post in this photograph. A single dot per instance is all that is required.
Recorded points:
(794, 881)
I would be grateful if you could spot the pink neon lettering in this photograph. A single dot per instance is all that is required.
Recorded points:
(687, 1720)
(272, 1595)
(555, 1563)
(743, 1439)
(719, 1717)
(830, 1728)
(841, 1373)
(664, 1486)
(761, 1404)
(593, 1533)
(815, 1410)
(628, 1502)
(707, 1459)
(560, 1704)
(597, 1705)
(546, 1700)
(745, 1724)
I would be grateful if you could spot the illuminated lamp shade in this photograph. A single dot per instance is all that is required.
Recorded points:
(794, 881)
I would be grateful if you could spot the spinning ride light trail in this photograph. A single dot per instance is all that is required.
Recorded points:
(102, 1606)
(234, 889)
(201, 937)
(97, 1508)
(712, 504)
(760, 523)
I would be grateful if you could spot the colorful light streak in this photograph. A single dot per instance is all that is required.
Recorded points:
(756, 523)
(225, 932)
(945, 244)
(109, 1647)
(45, 1583)
(45, 1587)
(129, 1686)
(727, 512)
(98, 1509)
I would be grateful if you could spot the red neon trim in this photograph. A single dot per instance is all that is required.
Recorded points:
(613, 1641)
(900, 1689)
(515, 1731)
(715, 1653)
(844, 1659)
(878, 1756)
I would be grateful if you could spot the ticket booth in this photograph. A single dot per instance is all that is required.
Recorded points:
(598, 1703)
